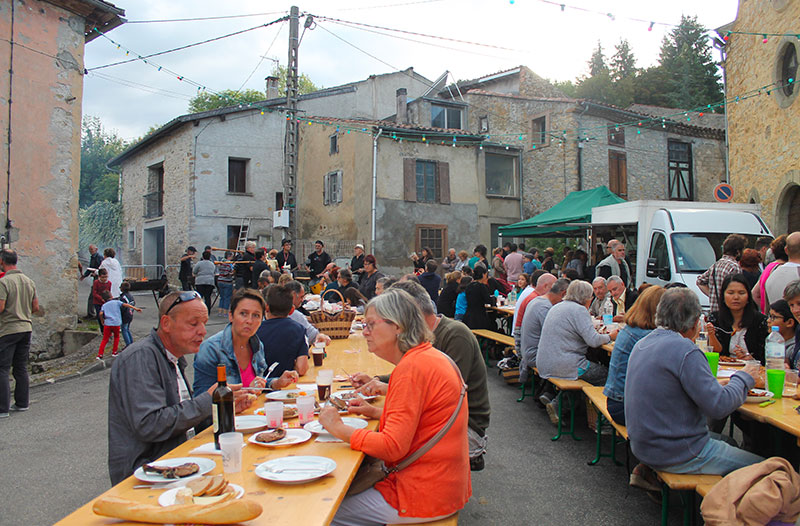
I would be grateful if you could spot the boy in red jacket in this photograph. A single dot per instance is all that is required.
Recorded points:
(100, 284)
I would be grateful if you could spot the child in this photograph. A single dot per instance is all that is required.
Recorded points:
(127, 316)
(111, 314)
(100, 285)
(461, 298)
(284, 339)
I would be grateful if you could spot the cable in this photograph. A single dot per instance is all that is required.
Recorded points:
(143, 87)
(389, 5)
(180, 48)
(263, 57)
(203, 18)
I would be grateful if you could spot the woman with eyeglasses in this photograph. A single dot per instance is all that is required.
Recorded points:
(438, 483)
(738, 328)
(238, 348)
(780, 315)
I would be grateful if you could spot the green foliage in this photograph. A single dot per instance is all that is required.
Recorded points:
(98, 146)
(567, 87)
(304, 83)
(597, 64)
(100, 224)
(623, 63)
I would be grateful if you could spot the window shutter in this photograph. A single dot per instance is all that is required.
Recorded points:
(443, 170)
(339, 190)
(409, 179)
(325, 189)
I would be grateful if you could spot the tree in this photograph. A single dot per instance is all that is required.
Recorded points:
(304, 83)
(567, 87)
(100, 224)
(623, 63)
(597, 64)
(98, 146)
(598, 85)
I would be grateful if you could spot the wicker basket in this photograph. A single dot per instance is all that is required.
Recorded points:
(511, 375)
(336, 326)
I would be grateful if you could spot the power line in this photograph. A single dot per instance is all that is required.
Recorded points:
(263, 57)
(142, 87)
(203, 18)
(180, 48)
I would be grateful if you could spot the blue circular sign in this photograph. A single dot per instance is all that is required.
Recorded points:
(723, 192)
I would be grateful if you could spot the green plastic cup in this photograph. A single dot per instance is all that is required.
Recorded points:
(713, 361)
(775, 379)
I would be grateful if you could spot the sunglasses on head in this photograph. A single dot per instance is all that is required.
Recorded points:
(183, 297)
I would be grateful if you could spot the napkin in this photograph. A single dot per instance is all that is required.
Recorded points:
(207, 449)
(327, 437)
(307, 387)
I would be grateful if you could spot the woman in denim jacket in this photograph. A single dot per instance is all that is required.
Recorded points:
(238, 348)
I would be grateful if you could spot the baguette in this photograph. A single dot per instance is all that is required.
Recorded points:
(227, 512)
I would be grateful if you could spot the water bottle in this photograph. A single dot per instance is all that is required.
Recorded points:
(775, 349)
(607, 312)
(512, 297)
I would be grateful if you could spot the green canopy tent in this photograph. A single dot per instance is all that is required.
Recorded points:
(572, 214)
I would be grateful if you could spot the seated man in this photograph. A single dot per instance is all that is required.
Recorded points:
(600, 295)
(670, 393)
(284, 339)
(151, 408)
(312, 333)
(621, 298)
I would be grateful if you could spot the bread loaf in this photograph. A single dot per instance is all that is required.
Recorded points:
(228, 512)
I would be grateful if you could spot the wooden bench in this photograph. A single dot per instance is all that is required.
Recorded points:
(531, 380)
(566, 388)
(600, 402)
(497, 337)
(452, 520)
(686, 485)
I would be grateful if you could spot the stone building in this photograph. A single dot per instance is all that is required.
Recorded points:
(197, 178)
(763, 132)
(41, 89)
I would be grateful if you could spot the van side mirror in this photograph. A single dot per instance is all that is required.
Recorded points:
(655, 272)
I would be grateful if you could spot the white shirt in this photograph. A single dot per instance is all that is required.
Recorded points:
(183, 389)
(527, 290)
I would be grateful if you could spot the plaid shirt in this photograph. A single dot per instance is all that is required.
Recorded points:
(714, 276)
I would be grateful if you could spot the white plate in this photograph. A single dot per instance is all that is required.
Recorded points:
(250, 423)
(168, 497)
(763, 396)
(725, 373)
(316, 427)
(205, 464)
(298, 469)
(293, 436)
(339, 394)
(284, 395)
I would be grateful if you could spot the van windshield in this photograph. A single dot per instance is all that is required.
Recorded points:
(696, 252)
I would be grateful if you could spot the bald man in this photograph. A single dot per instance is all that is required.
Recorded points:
(786, 273)
(543, 285)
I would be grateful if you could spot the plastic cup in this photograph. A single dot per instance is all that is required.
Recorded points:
(713, 361)
(305, 409)
(231, 446)
(608, 319)
(274, 413)
(775, 378)
(324, 381)
(790, 383)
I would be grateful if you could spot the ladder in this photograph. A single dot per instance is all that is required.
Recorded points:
(244, 229)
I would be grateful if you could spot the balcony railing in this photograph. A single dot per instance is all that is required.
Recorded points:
(153, 205)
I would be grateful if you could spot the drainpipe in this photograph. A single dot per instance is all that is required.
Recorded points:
(374, 186)
(580, 149)
(519, 161)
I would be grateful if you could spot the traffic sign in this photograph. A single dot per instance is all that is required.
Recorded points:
(723, 192)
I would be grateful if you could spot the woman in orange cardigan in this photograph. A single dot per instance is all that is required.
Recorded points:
(424, 391)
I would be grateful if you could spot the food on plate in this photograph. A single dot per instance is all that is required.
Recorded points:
(271, 436)
(294, 395)
(289, 411)
(251, 398)
(205, 490)
(728, 359)
(339, 403)
(172, 472)
(348, 396)
(224, 512)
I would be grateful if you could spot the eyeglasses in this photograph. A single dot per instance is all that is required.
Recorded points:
(370, 326)
(776, 317)
(183, 297)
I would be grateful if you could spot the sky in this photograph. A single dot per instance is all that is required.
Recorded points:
(130, 98)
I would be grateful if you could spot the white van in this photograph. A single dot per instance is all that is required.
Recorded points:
(673, 241)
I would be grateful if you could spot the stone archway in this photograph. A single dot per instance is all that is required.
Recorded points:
(787, 211)
(793, 204)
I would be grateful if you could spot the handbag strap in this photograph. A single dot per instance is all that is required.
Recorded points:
(413, 457)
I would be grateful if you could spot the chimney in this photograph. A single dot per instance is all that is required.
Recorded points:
(402, 106)
(272, 87)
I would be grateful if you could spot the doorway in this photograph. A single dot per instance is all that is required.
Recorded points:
(153, 250)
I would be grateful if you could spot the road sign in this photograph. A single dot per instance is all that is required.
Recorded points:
(723, 192)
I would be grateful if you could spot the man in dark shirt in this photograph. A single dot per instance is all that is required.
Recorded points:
(285, 257)
(357, 263)
(259, 265)
(185, 274)
(284, 339)
(244, 271)
(95, 260)
(318, 260)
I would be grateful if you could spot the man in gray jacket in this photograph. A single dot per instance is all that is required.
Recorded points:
(151, 408)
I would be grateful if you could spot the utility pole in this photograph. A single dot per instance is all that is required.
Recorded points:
(290, 147)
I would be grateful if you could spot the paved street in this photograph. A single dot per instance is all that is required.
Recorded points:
(53, 459)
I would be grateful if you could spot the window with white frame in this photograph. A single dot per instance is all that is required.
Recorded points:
(501, 175)
(332, 188)
(445, 117)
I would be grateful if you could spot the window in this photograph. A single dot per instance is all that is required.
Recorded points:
(658, 250)
(131, 239)
(445, 117)
(237, 176)
(484, 124)
(789, 69)
(332, 188)
(539, 132)
(618, 173)
(434, 237)
(681, 180)
(616, 136)
(154, 198)
(233, 236)
(426, 181)
(278, 200)
(334, 144)
(501, 175)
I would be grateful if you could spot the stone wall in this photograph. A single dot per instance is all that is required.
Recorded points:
(45, 156)
(764, 157)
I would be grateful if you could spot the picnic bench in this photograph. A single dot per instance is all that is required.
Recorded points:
(686, 485)
(567, 388)
(486, 334)
(600, 402)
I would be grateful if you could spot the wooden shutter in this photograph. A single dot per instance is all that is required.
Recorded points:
(443, 172)
(325, 200)
(409, 179)
(339, 190)
(618, 173)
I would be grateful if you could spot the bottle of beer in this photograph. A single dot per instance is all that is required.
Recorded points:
(222, 406)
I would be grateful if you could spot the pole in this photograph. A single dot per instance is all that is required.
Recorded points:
(290, 146)
(374, 187)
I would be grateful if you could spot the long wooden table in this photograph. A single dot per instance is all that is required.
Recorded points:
(310, 504)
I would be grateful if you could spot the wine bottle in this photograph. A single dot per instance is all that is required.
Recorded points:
(222, 406)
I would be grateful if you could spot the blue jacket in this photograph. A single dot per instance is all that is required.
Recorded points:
(618, 368)
(461, 305)
(218, 349)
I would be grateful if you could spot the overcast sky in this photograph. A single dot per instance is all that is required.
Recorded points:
(555, 44)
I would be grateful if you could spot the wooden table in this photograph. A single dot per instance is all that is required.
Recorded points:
(507, 312)
(313, 503)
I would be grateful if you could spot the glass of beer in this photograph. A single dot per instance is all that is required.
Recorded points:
(318, 353)
(324, 381)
